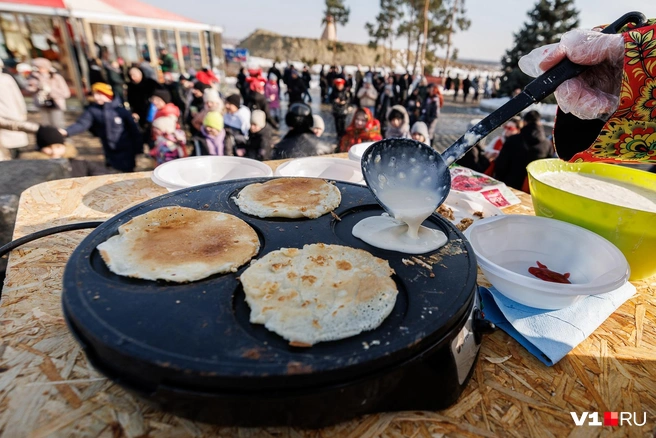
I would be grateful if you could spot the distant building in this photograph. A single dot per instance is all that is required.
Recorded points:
(71, 32)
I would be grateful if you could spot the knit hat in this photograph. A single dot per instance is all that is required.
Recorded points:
(165, 124)
(258, 118)
(214, 119)
(163, 94)
(47, 136)
(318, 122)
(211, 95)
(421, 128)
(200, 86)
(234, 99)
(104, 89)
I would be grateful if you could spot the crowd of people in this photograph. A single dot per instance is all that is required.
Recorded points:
(139, 109)
(384, 105)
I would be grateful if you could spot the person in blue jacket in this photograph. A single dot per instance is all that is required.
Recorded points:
(108, 120)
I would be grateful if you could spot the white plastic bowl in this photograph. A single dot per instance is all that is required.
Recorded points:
(195, 171)
(160, 183)
(328, 168)
(357, 151)
(506, 246)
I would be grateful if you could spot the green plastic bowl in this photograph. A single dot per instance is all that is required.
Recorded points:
(632, 231)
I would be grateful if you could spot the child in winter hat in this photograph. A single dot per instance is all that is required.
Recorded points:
(260, 142)
(169, 143)
(214, 133)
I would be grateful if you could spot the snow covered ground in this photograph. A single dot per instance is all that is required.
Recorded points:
(547, 111)
(265, 64)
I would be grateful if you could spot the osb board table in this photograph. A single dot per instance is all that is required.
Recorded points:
(47, 388)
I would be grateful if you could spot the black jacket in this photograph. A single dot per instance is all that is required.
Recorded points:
(431, 109)
(177, 95)
(296, 89)
(307, 78)
(300, 143)
(340, 110)
(518, 152)
(259, 144)
(139, 97)
(120, 137)
(466, 85)
(475, 160)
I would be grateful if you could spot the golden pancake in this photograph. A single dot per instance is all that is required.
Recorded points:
(180, 244)
(319, 293)
(289, 198)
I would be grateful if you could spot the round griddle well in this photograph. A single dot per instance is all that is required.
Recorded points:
(199, 335)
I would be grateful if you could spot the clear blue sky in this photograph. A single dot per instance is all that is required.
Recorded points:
(493, 21)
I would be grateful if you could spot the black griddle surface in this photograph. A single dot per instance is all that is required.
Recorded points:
(198, 335)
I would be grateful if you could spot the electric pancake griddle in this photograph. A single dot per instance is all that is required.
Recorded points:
(191, 348)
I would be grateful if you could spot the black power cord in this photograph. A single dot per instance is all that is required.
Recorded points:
(6, 249)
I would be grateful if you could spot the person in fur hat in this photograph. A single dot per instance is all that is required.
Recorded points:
(398, 123)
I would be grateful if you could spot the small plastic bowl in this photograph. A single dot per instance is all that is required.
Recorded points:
(160, 183)
(506, 246)
(195, 171)
(357, 151)
(327, 168)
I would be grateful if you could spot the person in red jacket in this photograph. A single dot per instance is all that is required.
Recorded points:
(206, 76)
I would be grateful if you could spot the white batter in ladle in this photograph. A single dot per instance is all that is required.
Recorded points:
(409, 187)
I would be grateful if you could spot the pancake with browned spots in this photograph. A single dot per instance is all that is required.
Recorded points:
(319, 293)
(180, 244)
(289, 198)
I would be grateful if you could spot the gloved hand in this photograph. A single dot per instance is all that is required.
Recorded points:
(595, 93)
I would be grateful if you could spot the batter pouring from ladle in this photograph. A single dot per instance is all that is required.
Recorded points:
(405, 180)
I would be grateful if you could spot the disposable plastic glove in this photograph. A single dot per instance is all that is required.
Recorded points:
(595, 93)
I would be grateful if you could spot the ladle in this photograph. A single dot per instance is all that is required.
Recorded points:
(403, 164)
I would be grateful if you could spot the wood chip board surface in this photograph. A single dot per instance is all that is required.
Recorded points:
(48, 389)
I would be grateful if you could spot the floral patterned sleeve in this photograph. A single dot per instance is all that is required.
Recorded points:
(629, 135)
